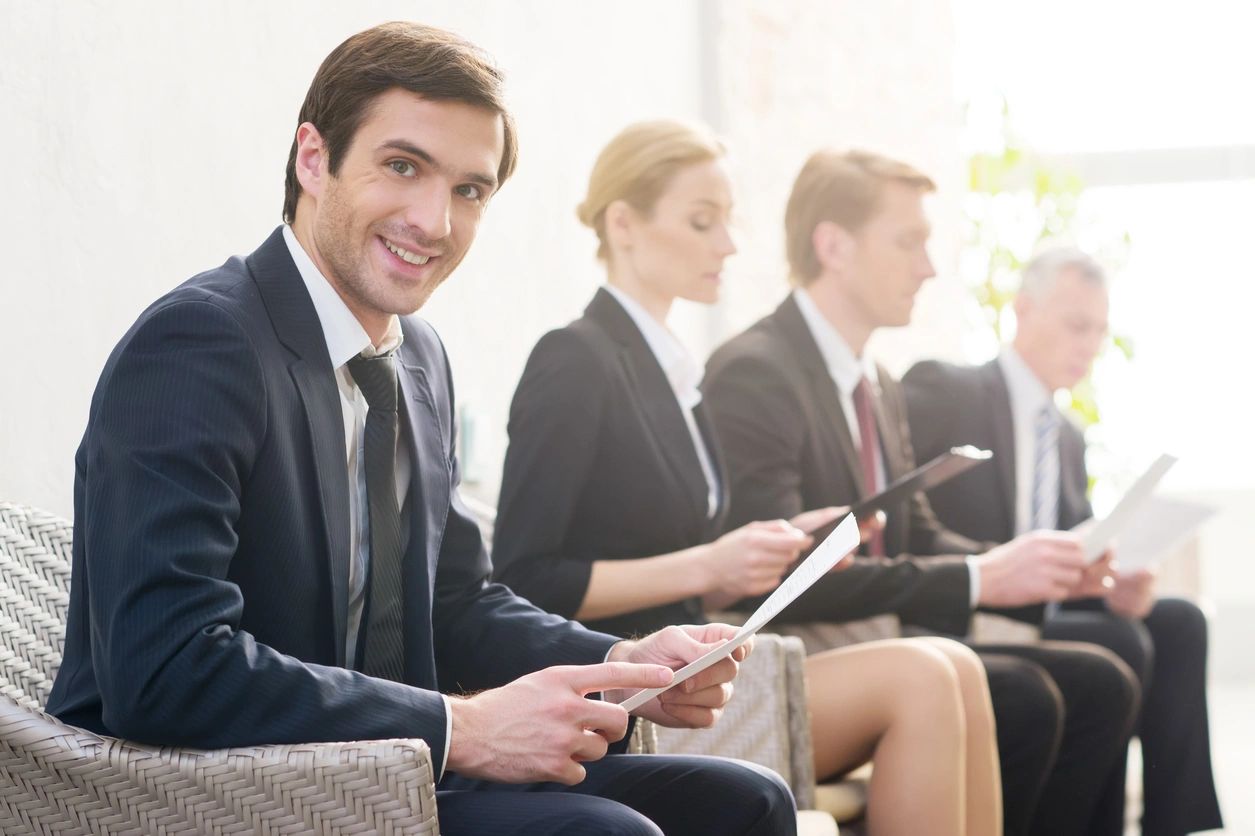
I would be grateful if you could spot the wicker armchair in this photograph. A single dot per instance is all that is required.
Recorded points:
(59, 779)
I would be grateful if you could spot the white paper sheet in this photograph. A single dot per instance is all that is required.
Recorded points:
(1159, 528)
(843, 540)
(1101, 534)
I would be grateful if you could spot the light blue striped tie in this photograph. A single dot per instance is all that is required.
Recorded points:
(1046, 469)
(1046, 476)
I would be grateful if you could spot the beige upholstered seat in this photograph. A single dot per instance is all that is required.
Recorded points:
(59, 779)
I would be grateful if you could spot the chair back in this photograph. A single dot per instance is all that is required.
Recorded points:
(35, 549)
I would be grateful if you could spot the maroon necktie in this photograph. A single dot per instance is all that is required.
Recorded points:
(869, 444)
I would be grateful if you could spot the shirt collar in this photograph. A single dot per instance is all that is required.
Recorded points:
(1028, 394)
(845, 368)
(677, 364)
(345, 336)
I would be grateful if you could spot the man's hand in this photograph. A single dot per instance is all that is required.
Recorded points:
(1096, 579)
(697, 702)
(1034, 567)
(540, 726)
(1132, 595)
(809, 521)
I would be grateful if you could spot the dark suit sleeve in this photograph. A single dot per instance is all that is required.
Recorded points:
(929, 408)
(486, 635)
(555, 421)
(179, 419)
(761, 424)
(927, 534)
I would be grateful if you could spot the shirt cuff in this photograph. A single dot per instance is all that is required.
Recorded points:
(448, 734)
(973, 573)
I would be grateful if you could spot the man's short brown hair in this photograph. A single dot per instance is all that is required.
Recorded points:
(843, 187)
(430, 62)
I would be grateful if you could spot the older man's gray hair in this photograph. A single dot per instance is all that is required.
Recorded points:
(1043, 269)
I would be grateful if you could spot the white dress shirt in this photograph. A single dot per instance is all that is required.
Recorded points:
(1028, 396)
(346, 338)
(683, 374)
(846, 370)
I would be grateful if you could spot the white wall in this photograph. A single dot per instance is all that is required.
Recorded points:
(146, 141)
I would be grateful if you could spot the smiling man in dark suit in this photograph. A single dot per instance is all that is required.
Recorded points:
(1039, 480)
(808, 420)
(269, 545)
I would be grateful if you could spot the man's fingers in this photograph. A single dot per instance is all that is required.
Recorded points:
(724, 670)
(608, 676)
(691, 716)
(713, 696)
(591, 746)
(606, 718)
(571, 774)
(779, 539)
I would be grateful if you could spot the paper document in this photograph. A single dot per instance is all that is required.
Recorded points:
(1100, 535)
(841, 542)
(1159, 528)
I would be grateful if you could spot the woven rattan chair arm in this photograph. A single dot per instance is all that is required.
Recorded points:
(56, 778)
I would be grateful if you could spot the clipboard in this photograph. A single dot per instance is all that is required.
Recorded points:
(929, 475)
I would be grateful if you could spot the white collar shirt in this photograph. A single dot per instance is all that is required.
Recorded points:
(844, 367)
(684, 375)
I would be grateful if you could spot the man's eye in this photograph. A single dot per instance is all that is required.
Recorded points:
(470, 191)
(405, 169)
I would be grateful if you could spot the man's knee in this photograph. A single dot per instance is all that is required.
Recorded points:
(1111, 689)
(765, 800)
(1028, 706)
(475, 812)
(1130, 640)
(1176, 622)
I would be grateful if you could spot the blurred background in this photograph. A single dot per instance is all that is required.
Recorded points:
(146, 141)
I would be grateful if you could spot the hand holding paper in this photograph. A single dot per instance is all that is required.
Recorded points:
(1100, 535)
(699, 700)
(838, 544)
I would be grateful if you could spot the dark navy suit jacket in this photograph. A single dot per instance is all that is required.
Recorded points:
(211, 543)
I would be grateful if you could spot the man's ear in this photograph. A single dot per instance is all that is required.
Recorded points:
(834, 246)
(311, 159)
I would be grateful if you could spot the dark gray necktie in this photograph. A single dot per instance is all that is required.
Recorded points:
(384, 650)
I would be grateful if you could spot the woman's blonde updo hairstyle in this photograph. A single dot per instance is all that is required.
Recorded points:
(636, 167)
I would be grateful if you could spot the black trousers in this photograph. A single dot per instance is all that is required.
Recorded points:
(626, 795)
(1168, 653)
(1064, 713)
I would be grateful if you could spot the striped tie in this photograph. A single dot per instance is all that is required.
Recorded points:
(385, 652)
(1046, 469)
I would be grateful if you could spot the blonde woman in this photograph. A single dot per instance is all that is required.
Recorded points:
(612, 498)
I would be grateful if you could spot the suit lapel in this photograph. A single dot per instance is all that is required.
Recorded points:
(1072, 484)
(430, 474)
(297, 326)
(833, 424)
(887, 428)
(717, 463)
(1002, 431)
(655, 398)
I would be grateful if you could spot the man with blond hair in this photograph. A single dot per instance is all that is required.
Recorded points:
(808, 420)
